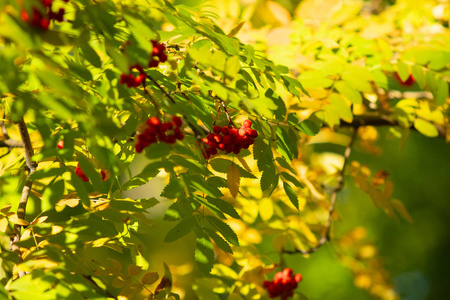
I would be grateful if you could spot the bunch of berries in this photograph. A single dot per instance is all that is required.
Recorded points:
(83, 176)
(283, 284)
(158, 54)
(41, 21)
(134, 81)
(229, 139)
(168, 132)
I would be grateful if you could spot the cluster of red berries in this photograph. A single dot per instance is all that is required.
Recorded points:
(134, 81)
(158, 54)
(168, 132)
(83, 176)
(283, 284)
(229, 139)
(41, 21)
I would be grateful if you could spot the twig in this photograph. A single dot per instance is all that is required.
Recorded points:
(89, 278)
(163, 90)
(334, 192)
(380, 121)
(31, 166)
(226, 111)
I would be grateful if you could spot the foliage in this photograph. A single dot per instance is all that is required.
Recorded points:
(349, 72)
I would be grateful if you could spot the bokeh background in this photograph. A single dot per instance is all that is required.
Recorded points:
(414, 255)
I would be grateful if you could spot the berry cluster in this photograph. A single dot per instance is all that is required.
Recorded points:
(134, 81)
(168, 132)
(83, 176)
(229, 139)
(158, 55)
(41, 21)
(283, 284)
(157, 52)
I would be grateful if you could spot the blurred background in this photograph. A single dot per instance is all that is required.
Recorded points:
(414, 255)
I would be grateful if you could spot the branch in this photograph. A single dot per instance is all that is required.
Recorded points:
(31, 166)
(379, 121)
(334, 192)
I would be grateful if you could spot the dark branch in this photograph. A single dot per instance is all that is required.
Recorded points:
(31, 166)
(379, 121)
(325, 237)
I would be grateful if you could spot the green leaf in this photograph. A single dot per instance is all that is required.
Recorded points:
(224, 206)
(178, 210)
(426, 128)
(204, 253)
(314, 79)
(221, 165)
(283, 143)
(150, 171)
(198, 183)
(184, 227)
(220, 242)
(308, 127)
(157, 150)
(442, 91)
(232, 67)
(403, 71)
(190, 164)
(348, 92)
(52, 195)
(292, 179)
(344, 111)
(269, 177)
(224, 229)
(291, 194)
(358, 78)
(174, 189)
(419, 76)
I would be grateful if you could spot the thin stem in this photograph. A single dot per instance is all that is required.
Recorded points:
(334, 192)
(163, 90)
(226, 111)
(31, 166)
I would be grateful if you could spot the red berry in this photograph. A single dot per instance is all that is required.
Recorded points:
(298, 277)
(155, 121)
(217, 138)
(212, 144)
(210, 136)
(225, 130)
(178, 134)
(177, 120)
(226, 139)
(205, 140)
(24, 16)
(247, 123)
(138, 147)
(123, 78)
(103, 175)
(242, 132)
(287, 273)
(44, 24)
(153, 63)
(221, 146)
(151, 130)
(60, 145)
(163, 57)
(47, 3)
(254, 134)
(217, 129)
(60, 15)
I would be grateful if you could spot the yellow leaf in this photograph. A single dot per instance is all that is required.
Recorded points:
(150, 278)
(134, 270)
(18, 221)
(379, 177)
(233, 178)
(236, 29)
(3, 224)
(39, 220)
(279, 12)
(401, 209)
(266, 209)
(5, 209)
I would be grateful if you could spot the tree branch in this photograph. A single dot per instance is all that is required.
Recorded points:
(334, 192)
(31, 166)
(379, 121)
